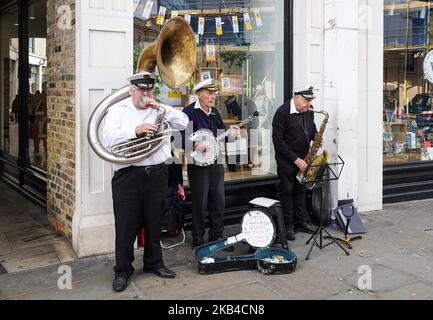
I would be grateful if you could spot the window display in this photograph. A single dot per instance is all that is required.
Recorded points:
(241, 46)
(408, 90)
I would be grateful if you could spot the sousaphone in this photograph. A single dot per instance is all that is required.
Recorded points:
(174, 53)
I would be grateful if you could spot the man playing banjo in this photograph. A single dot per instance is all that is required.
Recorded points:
(207, 182)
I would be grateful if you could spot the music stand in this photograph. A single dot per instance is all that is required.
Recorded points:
(313, 179)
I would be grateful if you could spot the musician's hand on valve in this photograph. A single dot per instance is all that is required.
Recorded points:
(301, 164)
(201, 146)
(145, 128)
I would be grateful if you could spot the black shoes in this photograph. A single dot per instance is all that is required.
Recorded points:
(120, 282)
(306, 227)
(161, 272)
(290, 234)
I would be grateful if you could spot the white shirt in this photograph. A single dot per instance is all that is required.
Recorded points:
(122, 120)
(198, 106)
(293, 109)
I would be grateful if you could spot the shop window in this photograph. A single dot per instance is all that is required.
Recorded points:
(241, 46)
(408, 95)
(9, 100)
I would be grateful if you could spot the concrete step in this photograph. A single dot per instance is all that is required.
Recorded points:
(408, 187)
(408, 196)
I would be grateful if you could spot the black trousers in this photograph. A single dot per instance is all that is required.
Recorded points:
(207, 188)
(292, 195)
(139, 197)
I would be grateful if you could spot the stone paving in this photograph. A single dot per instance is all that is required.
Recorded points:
(27, 241)
(398, 249)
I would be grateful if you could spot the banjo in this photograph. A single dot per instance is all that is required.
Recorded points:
(210, 155)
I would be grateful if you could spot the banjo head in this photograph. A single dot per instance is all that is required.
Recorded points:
(258, 229)
(211, 154)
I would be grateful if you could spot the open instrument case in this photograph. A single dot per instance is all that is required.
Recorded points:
(258, 230)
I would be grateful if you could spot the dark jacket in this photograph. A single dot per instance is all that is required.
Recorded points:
(214, 122)
(200, 120)
(292, 134)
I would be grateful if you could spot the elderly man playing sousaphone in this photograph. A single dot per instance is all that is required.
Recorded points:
(139, 190)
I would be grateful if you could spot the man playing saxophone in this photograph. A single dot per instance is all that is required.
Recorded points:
(139, 190)
(293, 130)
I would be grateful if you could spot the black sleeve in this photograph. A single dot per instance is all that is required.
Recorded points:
(182, 132)
(220, 122)
(278, 126)
(315, 132)
(175, 173)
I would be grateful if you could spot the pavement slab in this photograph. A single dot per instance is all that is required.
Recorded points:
(398, 248)
(412, 291)
(383, 278)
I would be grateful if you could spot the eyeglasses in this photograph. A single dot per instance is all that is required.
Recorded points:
(144, 87)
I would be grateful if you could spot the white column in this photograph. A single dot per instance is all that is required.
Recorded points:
(308, 63)
(338, 48)
(370, 115)
(341, 89)
(104, 58)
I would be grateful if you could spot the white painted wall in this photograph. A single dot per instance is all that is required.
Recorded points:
(338, 48)
(104, 59)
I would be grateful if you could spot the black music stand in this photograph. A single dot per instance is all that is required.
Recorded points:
(314, 179)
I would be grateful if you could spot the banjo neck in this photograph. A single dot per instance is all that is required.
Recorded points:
(240, 125)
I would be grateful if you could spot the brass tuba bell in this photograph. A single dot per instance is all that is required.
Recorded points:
(174, 53)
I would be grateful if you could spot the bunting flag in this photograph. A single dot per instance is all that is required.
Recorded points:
(219, 26)
(136, 3)
(147, 9)
(161, 16)
(248, 25)
(174, 14)
(188, 18)
(201, 25)
(235, 24)
(258, 18)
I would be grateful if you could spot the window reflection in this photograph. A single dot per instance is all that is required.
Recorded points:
(38, 84)
(246, 64)
(408, 94)
(9, 100)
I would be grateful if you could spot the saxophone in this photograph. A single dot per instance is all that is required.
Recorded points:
(314, 162)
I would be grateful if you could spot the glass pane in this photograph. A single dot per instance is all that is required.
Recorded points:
(245, 56)
(408, 114)
(37, 82)
(9, 102)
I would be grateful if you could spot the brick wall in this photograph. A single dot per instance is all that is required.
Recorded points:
(61, 117)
